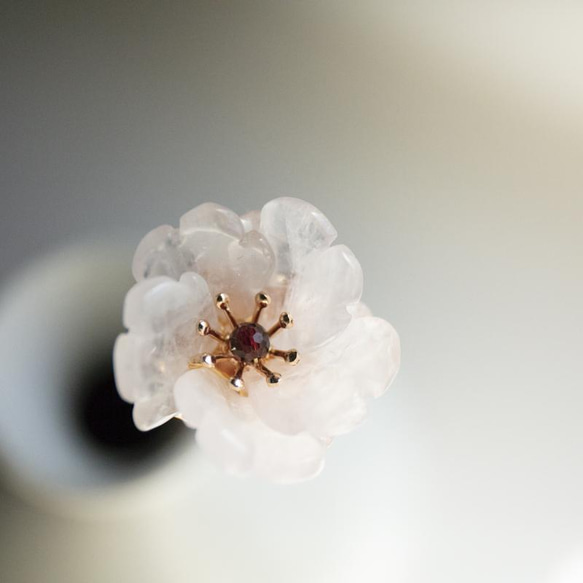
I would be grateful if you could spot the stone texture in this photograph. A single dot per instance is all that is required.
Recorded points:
(347, 356)
(294, 229)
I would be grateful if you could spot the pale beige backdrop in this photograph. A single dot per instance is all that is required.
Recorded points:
(445, 142)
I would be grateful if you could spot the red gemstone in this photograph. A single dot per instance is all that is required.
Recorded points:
(249, 341)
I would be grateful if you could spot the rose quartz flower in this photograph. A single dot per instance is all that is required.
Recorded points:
(347, 356)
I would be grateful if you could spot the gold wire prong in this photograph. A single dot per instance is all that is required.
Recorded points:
(204, 329)
(208, 360)
(290, 356)
(272, 377)
(236, 380)
(217, 336)
(237, 383)
(222, 302)
(262, 300)
(285, 321)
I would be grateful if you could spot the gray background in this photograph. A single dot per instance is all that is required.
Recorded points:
(444, 143)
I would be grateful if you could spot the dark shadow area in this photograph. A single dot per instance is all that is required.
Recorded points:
(105, 420)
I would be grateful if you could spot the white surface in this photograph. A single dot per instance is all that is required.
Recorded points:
(431, 164)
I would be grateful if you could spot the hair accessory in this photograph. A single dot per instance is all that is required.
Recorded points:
(199, 345)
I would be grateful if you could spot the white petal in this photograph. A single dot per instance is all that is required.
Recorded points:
(250, 266)
(161, 305)
(129, 353)
(339, 409)
(286, 408)
(227, 441)
(294, 228)
(172, 252)
(361, 362)
(318, 299)
(198, 393)
(325, 393)
(251, 221)
(231, 260)
(211, 217)
(238, 267)
(209, 231)
(286, 459)
(240, 447)
(160, 253)
(376, 358)
(161, 314)
(251, 259)
(145, 367)
(124, 365)
(321, 400)
(154, 412)
(209, 249)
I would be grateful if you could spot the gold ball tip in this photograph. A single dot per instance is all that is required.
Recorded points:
(274, 378)
(285, 320)
(292, 356)
(222, 301)
(203, 327)
(262, 299)
(237, 383)
(208, 360)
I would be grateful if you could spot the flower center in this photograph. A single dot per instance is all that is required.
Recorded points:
(249, 341)
(249, 344)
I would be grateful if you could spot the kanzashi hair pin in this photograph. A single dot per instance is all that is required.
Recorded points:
(211, 339)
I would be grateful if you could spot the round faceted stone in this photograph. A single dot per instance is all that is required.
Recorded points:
(249, 341)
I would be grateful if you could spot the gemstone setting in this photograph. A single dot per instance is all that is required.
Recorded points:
(249, 342)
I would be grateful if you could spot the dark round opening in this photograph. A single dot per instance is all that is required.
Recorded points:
(105, 420)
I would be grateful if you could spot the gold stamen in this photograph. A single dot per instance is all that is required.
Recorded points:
(285, 321)
(204, 329)
(236, 345)
(223, 304)
(237, 382)
(202, 360)
(290, 356)
(262, 300)
(272, 377)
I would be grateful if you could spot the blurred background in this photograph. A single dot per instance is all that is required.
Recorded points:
(443, 139)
